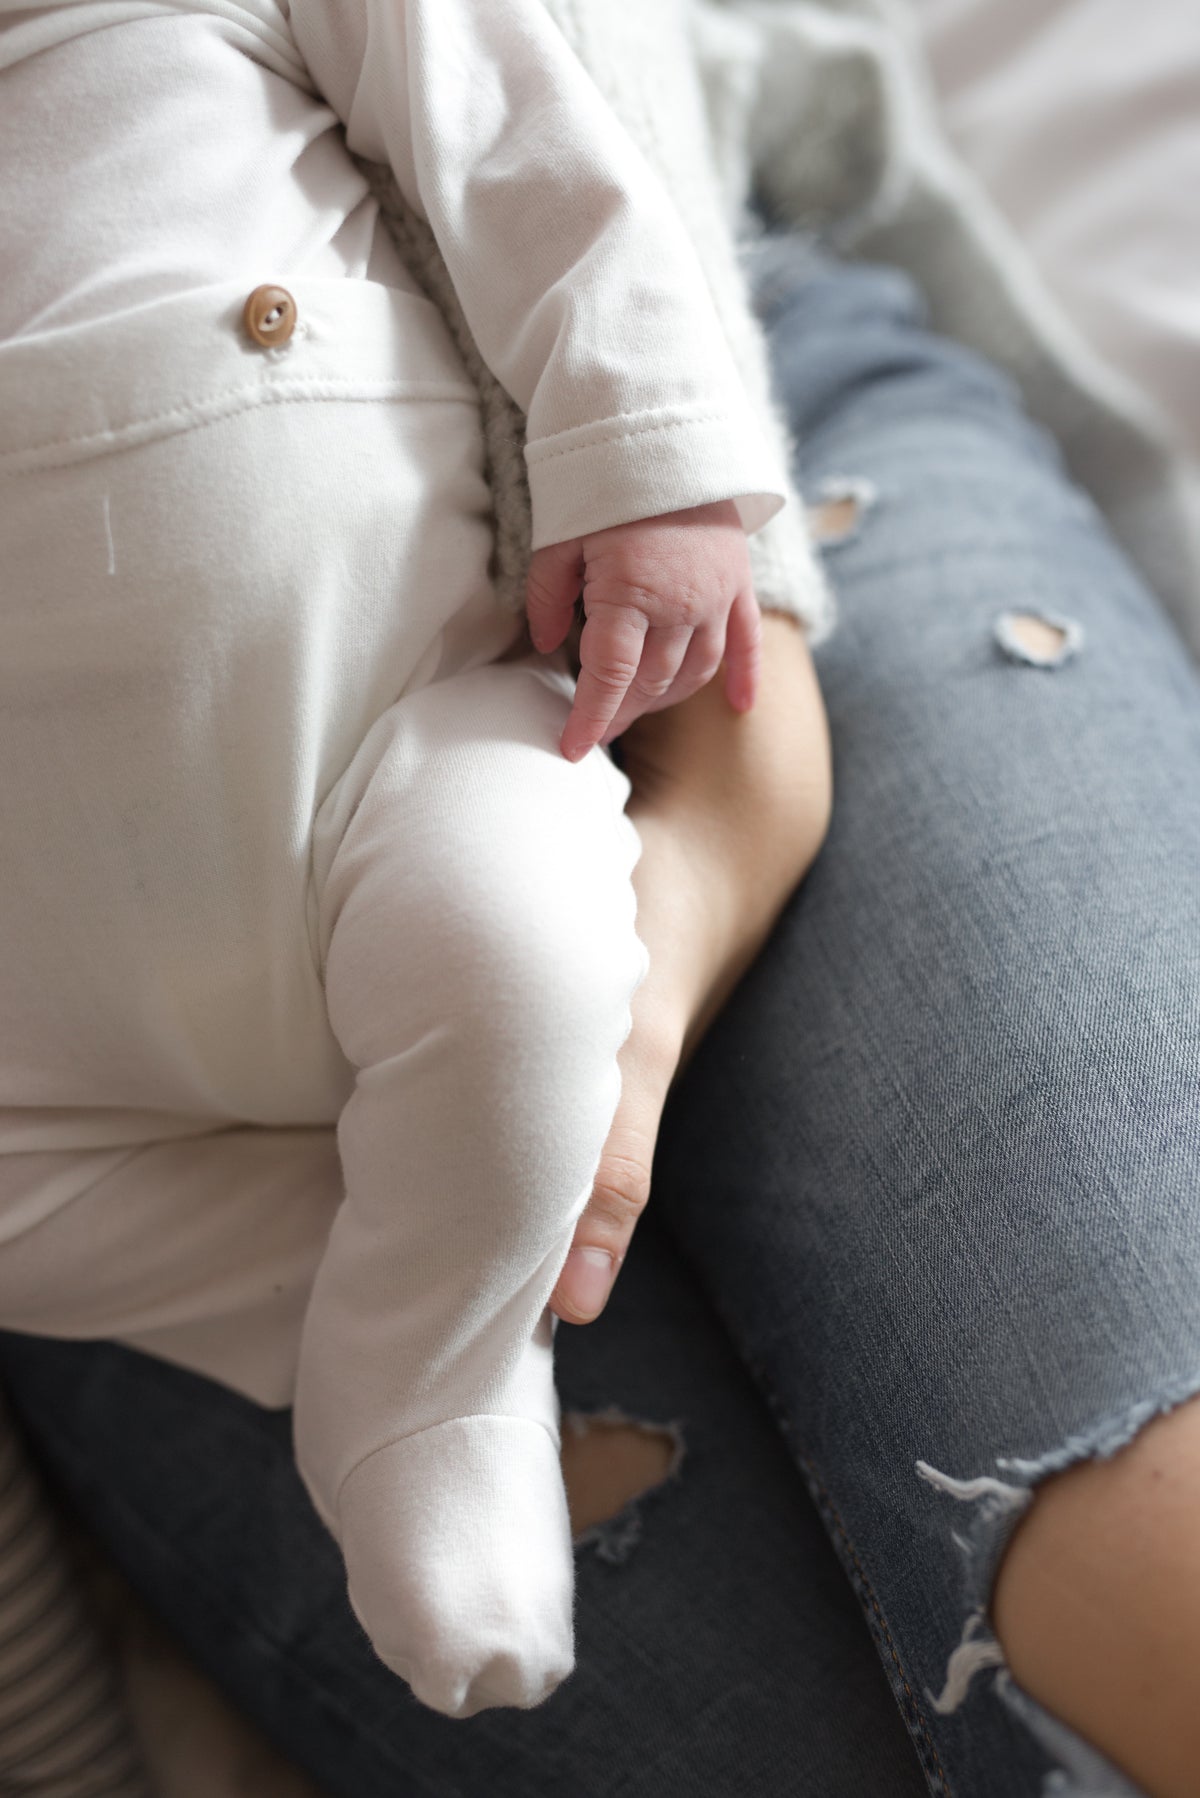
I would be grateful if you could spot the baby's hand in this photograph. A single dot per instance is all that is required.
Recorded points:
(665, 600)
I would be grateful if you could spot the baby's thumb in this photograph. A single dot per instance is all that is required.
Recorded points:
(551, 589)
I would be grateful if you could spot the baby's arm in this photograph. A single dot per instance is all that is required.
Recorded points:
(665, 600)
(587, 300)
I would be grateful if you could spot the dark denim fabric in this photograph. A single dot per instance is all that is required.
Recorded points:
(928, 1193)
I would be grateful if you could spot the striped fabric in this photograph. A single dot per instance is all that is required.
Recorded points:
(64, 1732)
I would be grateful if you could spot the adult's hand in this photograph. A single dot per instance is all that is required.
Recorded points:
(732, 808)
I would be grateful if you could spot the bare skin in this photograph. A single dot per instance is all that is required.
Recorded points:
(606, 1462)
(1097, 1603)
(732, 808)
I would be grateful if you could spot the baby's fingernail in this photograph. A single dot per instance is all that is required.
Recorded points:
(586, 1280)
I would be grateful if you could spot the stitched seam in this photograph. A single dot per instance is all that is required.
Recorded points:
(238, 399)
(534, 453)
(867, 1591)
(829, 1511)
(443, 1423)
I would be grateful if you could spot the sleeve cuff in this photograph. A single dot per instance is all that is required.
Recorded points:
(641, 464)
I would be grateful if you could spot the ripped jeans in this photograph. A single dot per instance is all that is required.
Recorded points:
(926, 1213)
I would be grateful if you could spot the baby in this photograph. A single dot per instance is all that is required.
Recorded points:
(295, 835)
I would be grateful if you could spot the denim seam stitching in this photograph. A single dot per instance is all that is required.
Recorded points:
(826, 1506)
(829, 1509)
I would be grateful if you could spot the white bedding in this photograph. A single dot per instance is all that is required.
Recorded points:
(1082, 118)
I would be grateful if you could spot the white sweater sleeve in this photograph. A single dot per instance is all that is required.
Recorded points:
(576, 274)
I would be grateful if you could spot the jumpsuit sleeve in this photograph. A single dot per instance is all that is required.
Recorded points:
(575, 272)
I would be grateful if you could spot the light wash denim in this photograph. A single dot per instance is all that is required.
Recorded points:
(926, 1212)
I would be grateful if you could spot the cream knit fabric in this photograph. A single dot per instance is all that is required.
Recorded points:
(297, 849)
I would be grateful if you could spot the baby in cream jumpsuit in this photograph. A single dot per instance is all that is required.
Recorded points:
(284, 845)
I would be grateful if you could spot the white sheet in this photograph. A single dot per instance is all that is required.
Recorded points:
(1082, 117)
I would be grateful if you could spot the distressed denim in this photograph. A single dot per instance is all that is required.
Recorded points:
(925, 1224)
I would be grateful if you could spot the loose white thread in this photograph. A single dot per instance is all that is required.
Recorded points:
(973, 1654)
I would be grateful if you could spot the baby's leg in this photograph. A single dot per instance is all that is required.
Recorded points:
(477, 927)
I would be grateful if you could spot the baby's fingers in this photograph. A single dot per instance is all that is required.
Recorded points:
(743, 650)
(610, 651)
(662, 677)
(551, 589)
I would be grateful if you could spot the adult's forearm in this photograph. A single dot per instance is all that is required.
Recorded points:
(744, 797)
(731, 808)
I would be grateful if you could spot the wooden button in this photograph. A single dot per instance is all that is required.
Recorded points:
(269, 315)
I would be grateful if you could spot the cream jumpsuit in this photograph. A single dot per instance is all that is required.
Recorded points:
(315, 954)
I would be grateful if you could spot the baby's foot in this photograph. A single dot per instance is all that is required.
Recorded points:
(457, 1543)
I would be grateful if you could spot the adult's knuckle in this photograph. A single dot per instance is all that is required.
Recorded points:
(621, 1191)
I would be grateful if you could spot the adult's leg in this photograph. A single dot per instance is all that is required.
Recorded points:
(937, 1162)
(719, 1649)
